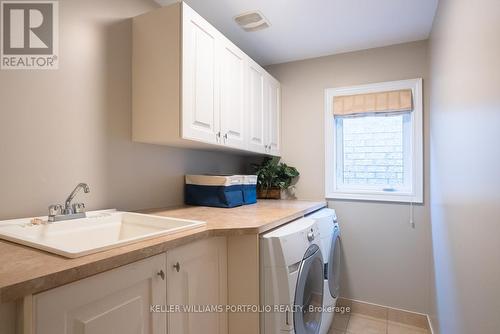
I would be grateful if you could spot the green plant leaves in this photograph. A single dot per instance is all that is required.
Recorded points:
(273, 174)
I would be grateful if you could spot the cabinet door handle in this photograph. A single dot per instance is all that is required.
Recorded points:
(161, 273)
(217, 136)
(225, 138)
(177, 267)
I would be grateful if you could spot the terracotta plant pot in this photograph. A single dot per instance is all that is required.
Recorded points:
(271, 193)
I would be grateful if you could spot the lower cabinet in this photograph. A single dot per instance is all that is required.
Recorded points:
(117, 301)
(121, 301)
(197, 277)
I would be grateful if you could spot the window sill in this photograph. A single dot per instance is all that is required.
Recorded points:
(398, 198)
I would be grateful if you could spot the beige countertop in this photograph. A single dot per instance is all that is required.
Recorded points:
(25, 271)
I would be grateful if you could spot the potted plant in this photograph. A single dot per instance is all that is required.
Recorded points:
(273, 177)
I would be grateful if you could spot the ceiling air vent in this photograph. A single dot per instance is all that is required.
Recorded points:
(252, 21)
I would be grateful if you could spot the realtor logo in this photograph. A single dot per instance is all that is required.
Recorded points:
(29, 31)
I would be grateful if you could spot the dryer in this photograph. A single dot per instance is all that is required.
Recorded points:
(326, 219)
(292, 279)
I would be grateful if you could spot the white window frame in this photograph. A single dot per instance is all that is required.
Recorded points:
(332, 189)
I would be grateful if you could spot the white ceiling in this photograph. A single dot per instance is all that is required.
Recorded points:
(303, 29)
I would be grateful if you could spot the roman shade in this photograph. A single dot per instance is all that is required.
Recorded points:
(380, 102)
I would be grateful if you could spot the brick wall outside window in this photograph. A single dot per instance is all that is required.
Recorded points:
(373, 150)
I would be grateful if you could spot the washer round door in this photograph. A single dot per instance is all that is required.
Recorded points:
(334, 264)
(309, 293)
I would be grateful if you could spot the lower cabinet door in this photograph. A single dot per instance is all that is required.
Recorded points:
(197, 277)
(115, 302)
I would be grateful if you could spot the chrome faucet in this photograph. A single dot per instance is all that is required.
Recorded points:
(70, 211)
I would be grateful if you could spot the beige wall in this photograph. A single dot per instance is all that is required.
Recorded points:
(385, 260)
(465, 153)
(58, 128)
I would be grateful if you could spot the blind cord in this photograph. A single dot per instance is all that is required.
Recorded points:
(412, 220)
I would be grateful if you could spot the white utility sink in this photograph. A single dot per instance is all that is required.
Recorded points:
(101, 230)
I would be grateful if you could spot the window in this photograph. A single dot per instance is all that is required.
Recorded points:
(375, 155)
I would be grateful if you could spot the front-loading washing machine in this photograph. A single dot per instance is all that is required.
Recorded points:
(292, 279)
(326, 219)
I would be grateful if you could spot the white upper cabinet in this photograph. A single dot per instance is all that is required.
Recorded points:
(232, 97)
(200, 91)
(273, 102)
(193, 87)
(256, 105)
(264, 111)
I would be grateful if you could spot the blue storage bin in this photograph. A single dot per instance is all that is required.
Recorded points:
(214, 190)
(249, 189)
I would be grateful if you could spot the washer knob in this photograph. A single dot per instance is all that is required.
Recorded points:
(310, 236)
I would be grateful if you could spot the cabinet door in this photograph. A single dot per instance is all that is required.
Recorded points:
(256, 113)
(273, 102)
(232, 94)
(200, 79)
(197, 275)
(117, 301)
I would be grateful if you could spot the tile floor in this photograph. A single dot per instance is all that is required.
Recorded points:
(355, 323)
